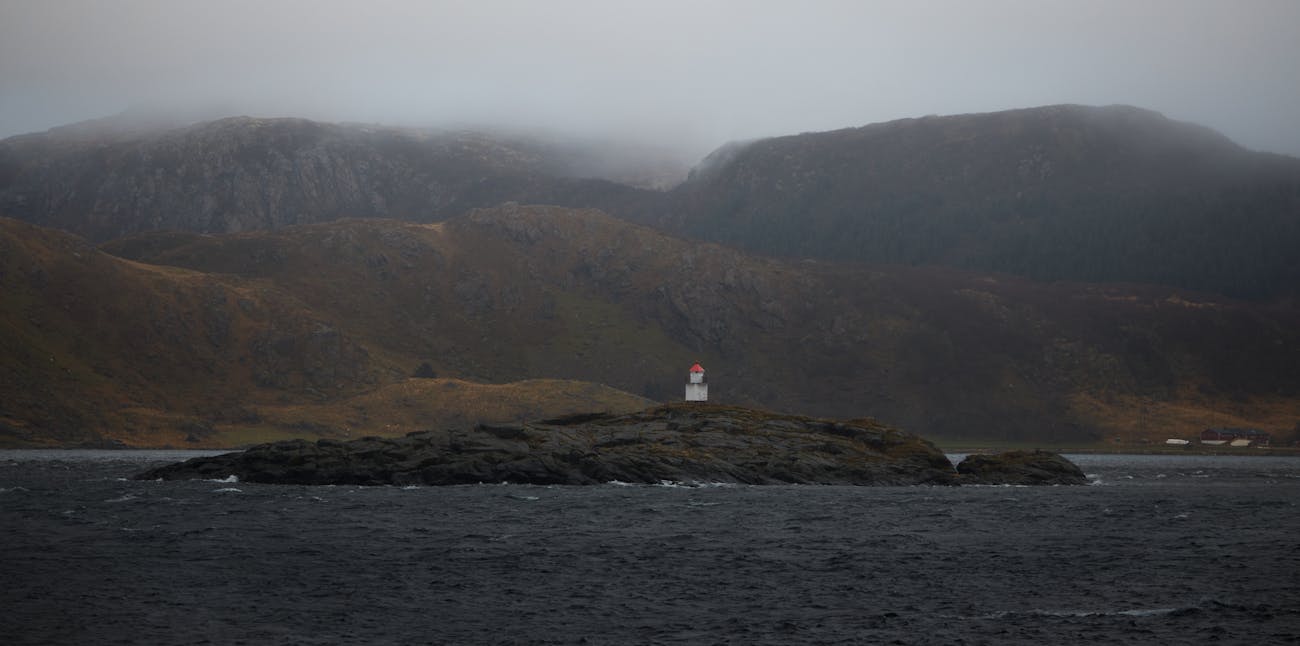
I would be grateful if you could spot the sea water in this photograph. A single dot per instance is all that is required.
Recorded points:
(1160, 549)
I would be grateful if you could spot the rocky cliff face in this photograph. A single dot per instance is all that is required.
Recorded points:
(242, 174)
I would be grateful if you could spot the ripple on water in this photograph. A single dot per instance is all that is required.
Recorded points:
(1145, 560)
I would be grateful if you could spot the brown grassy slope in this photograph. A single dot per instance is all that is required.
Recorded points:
(421, 404)
(95, 348)
(525, 292)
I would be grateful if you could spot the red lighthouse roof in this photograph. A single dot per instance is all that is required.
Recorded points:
(697, 368)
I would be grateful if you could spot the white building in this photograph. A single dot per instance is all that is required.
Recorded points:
(697, 389)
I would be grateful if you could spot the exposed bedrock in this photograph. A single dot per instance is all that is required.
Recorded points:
(1020, 468)
(674, 442)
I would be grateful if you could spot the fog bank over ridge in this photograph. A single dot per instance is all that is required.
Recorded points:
(680, 75)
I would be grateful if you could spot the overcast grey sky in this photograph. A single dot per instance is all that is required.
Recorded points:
(690, 73)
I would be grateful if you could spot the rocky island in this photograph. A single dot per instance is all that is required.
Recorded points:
(680, 442)
(1020, 468)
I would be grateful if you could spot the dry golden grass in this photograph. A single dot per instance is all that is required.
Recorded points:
(419, 404)
(312, 331)
(1134, 420)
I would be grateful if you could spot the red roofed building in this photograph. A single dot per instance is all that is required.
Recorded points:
(697, 389)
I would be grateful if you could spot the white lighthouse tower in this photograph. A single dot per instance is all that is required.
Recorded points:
(697, 389)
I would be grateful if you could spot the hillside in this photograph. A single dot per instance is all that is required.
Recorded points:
(1057, 193)
(110, 178)
(96, 349)
(1074, 193)
(514, 293)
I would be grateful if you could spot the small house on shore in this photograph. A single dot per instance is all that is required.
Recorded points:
(1235, 437)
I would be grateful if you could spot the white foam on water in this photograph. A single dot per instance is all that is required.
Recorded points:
(1042, 612)
(674, 485)
(228, 490)
(694, 484)
(124, 498)
(229, 478)
(1150, 612)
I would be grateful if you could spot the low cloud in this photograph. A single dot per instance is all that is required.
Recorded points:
(685, 74)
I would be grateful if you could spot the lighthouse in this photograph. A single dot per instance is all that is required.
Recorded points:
(697, 389)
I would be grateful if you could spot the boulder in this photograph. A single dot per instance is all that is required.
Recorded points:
(1020, 468)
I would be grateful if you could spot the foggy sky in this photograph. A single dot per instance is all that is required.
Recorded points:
(690, 74)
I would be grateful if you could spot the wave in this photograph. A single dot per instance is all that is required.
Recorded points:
(675, 484)
(1042, 612)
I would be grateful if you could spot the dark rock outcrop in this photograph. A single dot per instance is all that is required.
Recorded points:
(674, 442)
(1020, 468)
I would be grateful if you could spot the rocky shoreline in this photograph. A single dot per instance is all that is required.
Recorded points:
(670, 443)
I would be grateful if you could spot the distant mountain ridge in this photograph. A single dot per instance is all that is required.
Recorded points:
(103, 181)
(1111, 194)
(1071, 193)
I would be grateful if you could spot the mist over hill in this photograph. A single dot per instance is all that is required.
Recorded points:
(1071, 193)
(1047, 274)
(321, 325)
(118, 176)
(1075, 193)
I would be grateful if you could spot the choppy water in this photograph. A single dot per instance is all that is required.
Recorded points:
(1163, 550)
